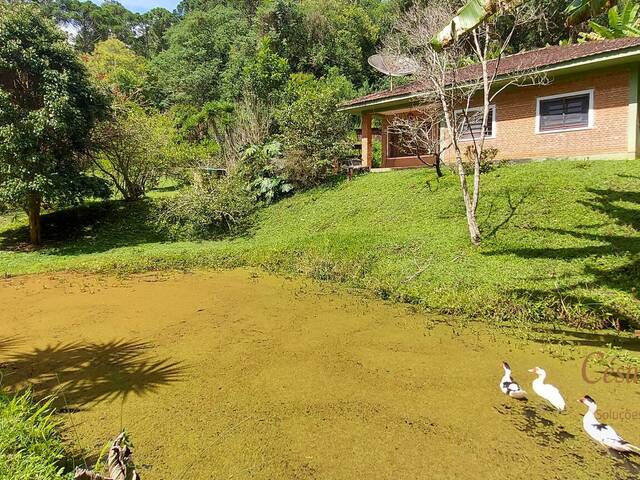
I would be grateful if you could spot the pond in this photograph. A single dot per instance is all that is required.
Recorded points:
(245, 375)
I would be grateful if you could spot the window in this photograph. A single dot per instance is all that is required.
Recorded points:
(471, 128)
(572, 111)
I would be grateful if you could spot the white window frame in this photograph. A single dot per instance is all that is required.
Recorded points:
(492, 107)
(591, 116)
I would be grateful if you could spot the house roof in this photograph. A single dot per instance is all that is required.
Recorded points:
(540, 59)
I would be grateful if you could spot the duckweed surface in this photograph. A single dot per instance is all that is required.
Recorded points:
(243, 375)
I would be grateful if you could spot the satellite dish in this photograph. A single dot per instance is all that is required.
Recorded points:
(393, 65)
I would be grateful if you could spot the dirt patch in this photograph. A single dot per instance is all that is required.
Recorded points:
(244, 375)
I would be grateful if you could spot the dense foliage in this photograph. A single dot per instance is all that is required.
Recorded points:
(315, 135)
(246, 86)
(209, 209)
(133, 149)
(47, 110)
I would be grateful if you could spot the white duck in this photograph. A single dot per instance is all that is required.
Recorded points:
(602, 433)
(509, 386)
(550, 393)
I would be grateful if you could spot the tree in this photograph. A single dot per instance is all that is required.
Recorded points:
(132, 149)
(118, 68)
(313, 132)
(96, 23)
(440, 54)
(339, 35)
(419, 134)
(548, 28)
(580, 10)
(48, 108)
(153, 26)
(191, 68)
(266, 73)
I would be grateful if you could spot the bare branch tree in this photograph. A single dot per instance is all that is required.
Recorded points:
(418, 133)
(462, 79)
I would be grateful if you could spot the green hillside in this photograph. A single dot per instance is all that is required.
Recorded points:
(561, 241)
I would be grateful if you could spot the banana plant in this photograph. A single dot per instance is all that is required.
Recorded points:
(467, 18)
(623, 22)
(580, 10)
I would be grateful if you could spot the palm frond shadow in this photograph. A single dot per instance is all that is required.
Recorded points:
(7, 343)
(81, 373)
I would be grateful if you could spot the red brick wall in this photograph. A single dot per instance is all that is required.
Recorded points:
(516, 120)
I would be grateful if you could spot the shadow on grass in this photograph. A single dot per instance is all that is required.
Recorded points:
(90, 228)
(532, 422)
(81, 373)
(621, 273)
(600, 340)
(513, 201)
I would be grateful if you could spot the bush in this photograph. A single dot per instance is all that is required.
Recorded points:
(30, 447)
(218, 207)
(315, 135)
(303, 170)
(258, 166)
(133, 149)
(487, 159)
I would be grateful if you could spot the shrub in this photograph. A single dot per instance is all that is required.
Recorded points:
(314, 134)
(304, 170)
(259, 169)
(219, 206)
(133, 149)
(487, 159)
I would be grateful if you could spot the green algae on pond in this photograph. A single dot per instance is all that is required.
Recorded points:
(245, 375)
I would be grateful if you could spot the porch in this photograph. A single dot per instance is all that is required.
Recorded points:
(395, 152)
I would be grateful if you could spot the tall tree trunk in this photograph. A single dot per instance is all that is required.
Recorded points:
(474, 231)
(33, 210)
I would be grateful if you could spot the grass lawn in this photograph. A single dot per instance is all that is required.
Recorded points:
(561, 241)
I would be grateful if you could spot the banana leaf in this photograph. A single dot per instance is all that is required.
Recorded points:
(623, 22)
(580, 10)
(467, 18)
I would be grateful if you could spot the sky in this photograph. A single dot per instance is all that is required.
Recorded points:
(141, 6)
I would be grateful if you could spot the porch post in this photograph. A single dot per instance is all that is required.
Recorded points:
(383, 140)
(367, 141)
(633, 133)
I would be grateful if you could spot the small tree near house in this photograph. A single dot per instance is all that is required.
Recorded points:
(461, 91)
(418, 134)
(47, 109)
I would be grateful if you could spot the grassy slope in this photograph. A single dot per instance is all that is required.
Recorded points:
(562, 241)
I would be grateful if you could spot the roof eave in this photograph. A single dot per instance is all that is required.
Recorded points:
(628, 55)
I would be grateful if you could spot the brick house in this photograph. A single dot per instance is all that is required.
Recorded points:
(587, 109)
